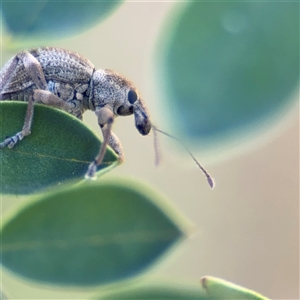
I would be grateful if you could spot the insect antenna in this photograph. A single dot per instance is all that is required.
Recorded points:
(156, 149)
(155, 130)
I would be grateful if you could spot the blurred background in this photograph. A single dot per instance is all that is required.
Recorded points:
(223, 78)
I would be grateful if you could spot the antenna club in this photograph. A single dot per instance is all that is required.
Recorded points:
(211, 182)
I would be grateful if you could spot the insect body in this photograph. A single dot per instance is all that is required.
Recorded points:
(68, 81)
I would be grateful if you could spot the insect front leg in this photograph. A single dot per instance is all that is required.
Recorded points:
(114, 142)
(105, 120)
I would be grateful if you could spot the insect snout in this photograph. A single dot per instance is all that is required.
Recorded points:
(142, 121)
(144, 128)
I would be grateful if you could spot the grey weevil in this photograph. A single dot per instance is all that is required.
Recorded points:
(66, 80)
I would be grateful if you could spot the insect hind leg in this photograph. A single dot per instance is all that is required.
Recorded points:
(26, 130)
(34, 70)
(5, 73)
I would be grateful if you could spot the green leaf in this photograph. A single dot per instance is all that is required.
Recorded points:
(60, 148)
(161, 291)
(229, 66)
(90, 234)
(220, 289)
(53, 19)
(3, 296)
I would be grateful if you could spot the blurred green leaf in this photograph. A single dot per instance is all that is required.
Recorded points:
(161, 291)
(3, 296)
(220, 289)
(60, 148)
(54, 19)
(90, 234)
(230, 65)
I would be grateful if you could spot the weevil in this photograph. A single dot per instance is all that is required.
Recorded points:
(66, 80)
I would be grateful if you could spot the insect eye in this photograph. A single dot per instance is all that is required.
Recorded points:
(132, 96)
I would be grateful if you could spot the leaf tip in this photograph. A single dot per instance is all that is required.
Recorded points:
(203, 282)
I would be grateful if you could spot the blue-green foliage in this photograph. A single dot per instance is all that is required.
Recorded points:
(230, 65)
(53, 19)
(88, 235)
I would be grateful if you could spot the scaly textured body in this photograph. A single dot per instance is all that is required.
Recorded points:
(67, 75)
(68, 81)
